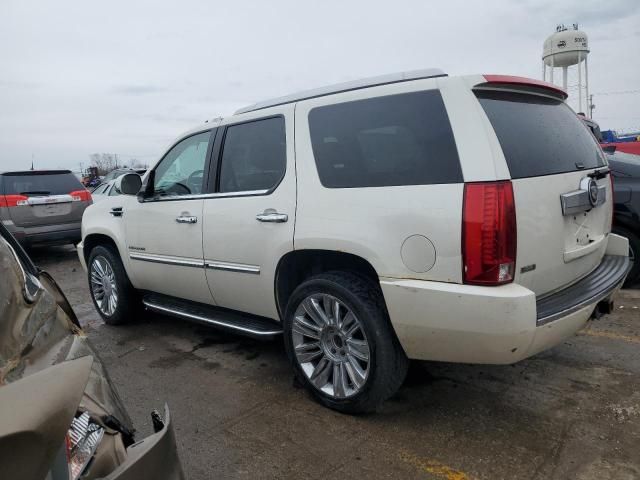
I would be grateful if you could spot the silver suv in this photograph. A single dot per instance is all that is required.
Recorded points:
(43, 206)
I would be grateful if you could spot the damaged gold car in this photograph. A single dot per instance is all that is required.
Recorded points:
(60, 416)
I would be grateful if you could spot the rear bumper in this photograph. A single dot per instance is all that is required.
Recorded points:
(46, 234)
(598, 285)
(494, 325)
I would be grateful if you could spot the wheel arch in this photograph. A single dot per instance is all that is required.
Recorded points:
(93, 240)
(297, 265)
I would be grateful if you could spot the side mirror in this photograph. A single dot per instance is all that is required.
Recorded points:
(129, 184)
(147, 186)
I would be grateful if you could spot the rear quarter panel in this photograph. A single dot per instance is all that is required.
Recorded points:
(373, 223)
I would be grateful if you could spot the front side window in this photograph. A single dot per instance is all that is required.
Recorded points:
(181, 170)
(253, 156)
(403, 139)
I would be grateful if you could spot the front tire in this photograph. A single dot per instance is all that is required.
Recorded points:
(341, 344)
(113, 295)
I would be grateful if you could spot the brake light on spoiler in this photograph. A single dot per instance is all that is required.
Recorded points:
(526, 82)
(489, 233)
(9, 201)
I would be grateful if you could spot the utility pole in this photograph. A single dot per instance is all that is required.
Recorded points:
(591, 106)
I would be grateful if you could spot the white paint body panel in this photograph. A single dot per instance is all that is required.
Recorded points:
(233, 235)
(153, 226)
(470, 324)
(373, 223)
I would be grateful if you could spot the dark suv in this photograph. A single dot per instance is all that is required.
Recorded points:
(626, 215)
(43, 206)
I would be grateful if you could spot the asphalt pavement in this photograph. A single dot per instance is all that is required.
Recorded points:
(569, 413)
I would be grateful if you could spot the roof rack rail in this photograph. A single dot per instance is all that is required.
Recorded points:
(345, 87)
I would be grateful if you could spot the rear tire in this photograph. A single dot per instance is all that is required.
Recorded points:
(634, 251)
(113, 295)
(352, 364)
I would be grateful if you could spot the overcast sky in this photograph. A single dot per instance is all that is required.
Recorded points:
(126, 77)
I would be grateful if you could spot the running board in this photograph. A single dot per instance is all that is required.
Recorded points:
(235, 322)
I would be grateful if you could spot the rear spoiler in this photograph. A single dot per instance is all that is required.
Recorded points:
(527, 83)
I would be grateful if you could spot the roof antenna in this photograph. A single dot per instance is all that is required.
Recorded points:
(32, 162)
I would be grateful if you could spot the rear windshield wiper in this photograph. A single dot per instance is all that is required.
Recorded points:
(36, 192)
(598, 174)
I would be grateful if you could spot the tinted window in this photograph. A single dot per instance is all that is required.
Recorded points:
(539, 135)
(181, 170)
(253, 156)
(40, 183)
(395, 140)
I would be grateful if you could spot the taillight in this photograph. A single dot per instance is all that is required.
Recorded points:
(13, 200)
(489, 233)
(82, 440)
(81, 196)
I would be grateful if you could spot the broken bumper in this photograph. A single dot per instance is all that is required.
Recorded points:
(153, 457)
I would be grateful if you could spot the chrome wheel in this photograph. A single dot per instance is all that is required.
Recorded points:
(103, 285)
(330, 346)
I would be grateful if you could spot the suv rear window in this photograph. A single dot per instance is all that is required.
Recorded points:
(539, 135)
(403, 139)
(39, 183)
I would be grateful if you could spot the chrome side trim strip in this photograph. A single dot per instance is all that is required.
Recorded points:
(232, 267)
(183, 262)
(162, 309)
(204, 196)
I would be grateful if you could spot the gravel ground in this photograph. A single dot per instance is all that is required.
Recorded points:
(572, 412)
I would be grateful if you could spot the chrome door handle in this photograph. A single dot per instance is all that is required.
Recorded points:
(186, 219)
(270, 215)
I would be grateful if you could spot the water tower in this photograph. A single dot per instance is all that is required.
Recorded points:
(563, 49)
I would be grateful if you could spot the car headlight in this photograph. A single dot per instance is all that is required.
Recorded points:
(83, 439)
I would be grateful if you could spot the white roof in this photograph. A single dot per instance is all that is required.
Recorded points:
(346, 86)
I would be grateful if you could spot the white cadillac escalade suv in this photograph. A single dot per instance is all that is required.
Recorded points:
(410, 216)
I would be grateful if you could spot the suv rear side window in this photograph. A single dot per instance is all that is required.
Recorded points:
(40, 183)
(403, 139)
(254, 156)
(539, 135)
